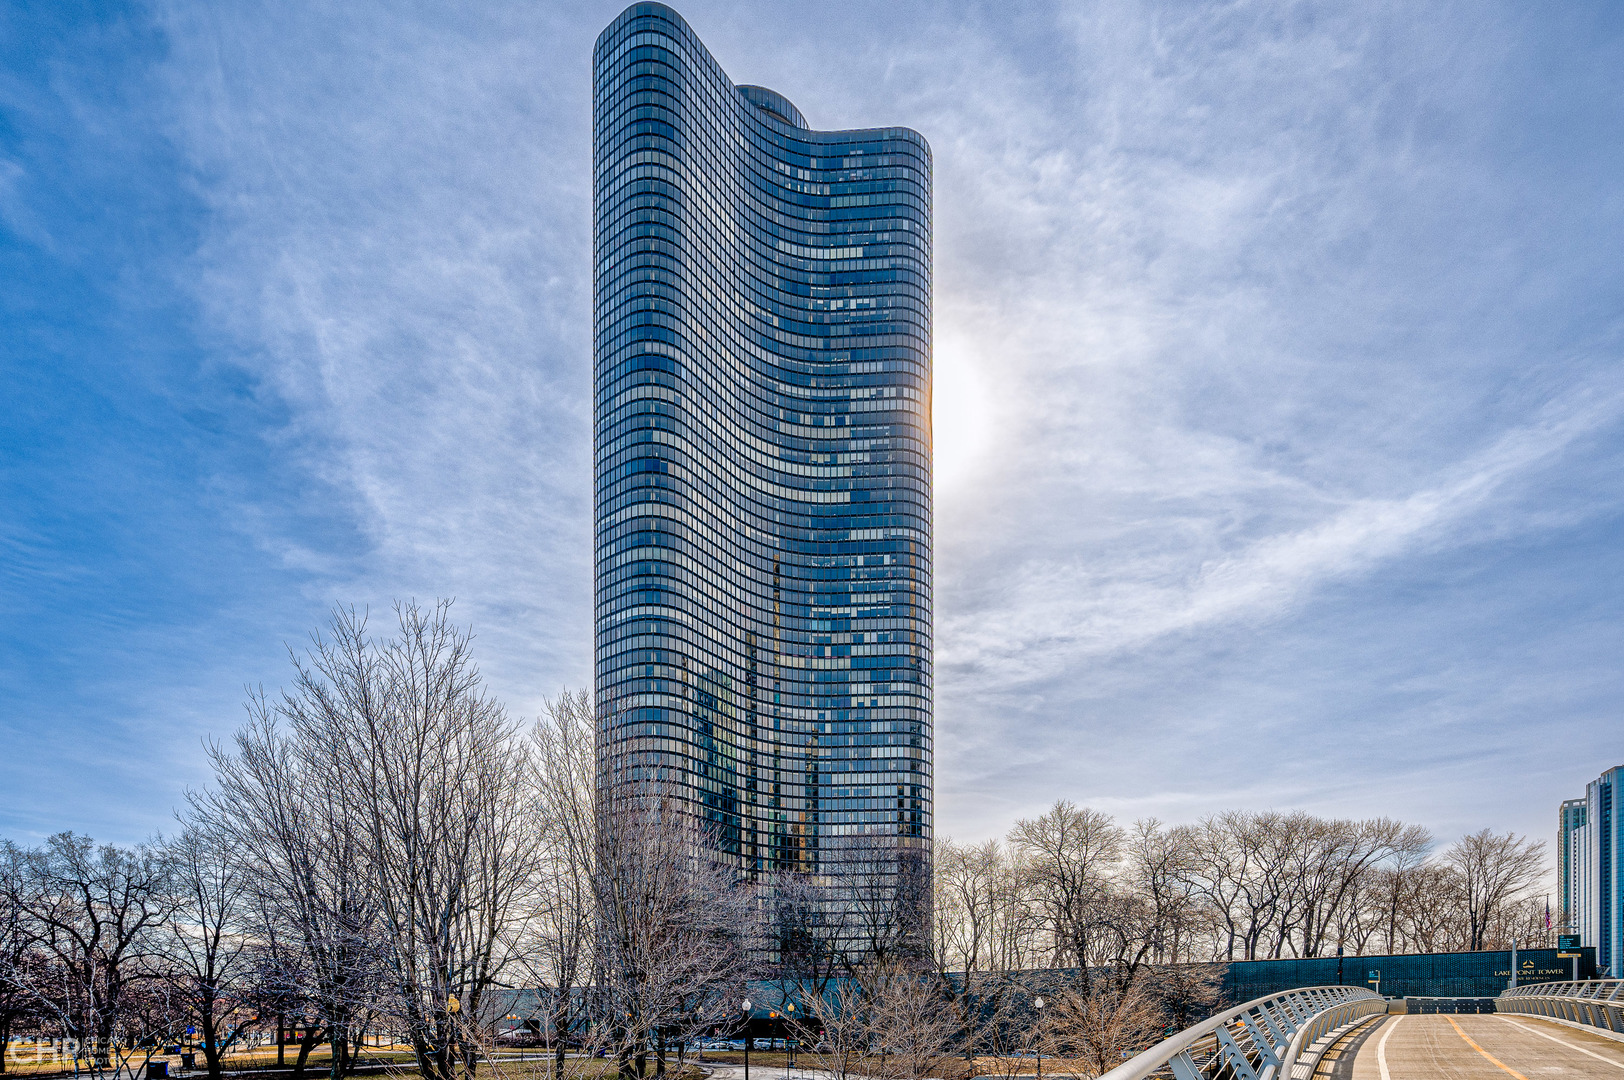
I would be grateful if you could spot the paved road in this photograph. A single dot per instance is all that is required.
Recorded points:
(1474, 1047)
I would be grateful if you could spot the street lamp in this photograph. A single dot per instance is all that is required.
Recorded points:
(789, 1029)
(746, 1007)
(1037, 1035)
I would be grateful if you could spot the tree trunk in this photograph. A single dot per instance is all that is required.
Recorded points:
(211, 1037)
(307, 1043)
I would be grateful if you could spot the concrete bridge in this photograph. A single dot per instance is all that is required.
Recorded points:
(1350, 1033)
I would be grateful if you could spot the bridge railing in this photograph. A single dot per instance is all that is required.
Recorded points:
(1593, 1003)
(1263, 1039)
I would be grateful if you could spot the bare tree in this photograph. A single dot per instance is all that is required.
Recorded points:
(1389, 885)
(562, 939)
(879, 900)
(843, 1018)
(912, 1023)
(984, 927)
(1101, 1022)
(1185, 993)
(672, 922)
(20, 961)
(91, 912)
(1068, 856)
(434, 780)
(971, 893)
(208, 948)
(1337, 855)
(1495, 871)
(154, 1012)
(1236, 885)
(1218, 870)
(279, 799)
(1157, 863)
(423, 784)
(1522, 922)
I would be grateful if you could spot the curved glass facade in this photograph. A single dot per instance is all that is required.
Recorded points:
(762, 374)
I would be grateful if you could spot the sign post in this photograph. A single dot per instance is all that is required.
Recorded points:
(1567, 948)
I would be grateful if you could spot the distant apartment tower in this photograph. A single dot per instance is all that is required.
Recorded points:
(1590, 841)
(1569, 816)
(762, 380)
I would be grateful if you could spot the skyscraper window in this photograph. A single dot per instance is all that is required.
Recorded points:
(762, 367)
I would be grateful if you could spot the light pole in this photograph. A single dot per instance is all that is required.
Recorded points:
(1037, 1035)
(746, 1039)
(789, 1029)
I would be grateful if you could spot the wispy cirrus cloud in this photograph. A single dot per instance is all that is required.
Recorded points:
(1260, 316)
(1231, 288)
(1054, 614)
(397, 251)
(1277, 403)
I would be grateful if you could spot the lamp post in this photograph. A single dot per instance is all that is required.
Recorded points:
(746, 1039)
(789, 1029)
(1037, 1035)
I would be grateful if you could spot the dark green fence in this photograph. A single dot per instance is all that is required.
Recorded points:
(1468, 974)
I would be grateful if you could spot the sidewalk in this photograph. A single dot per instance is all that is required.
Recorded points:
(760, 1072)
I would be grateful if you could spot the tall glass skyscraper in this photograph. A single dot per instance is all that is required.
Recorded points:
(1592, 839)
(762, 367)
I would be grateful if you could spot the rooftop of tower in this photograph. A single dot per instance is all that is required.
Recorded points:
(771, 101)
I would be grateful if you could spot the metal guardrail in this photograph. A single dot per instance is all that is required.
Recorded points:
(1594, 1003)
(1262, 1040)
(1422, 1006)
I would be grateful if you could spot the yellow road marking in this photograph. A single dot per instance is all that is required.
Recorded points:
(1381, 1049)
(1564, 1042)
(1496, 1061)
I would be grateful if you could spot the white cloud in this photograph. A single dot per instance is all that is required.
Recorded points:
(398, 250)
(1050, 614)
(1235, 305)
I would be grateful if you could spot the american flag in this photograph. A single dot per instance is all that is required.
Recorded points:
(1547, 913)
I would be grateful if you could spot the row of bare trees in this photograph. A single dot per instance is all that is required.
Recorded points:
(1131, 924)
(417, 853)
(1073, 889)
(384, 849)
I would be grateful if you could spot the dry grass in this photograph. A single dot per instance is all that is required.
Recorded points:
(513, 1064)
(1028, 1066)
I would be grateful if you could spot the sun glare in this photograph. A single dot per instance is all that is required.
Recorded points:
(961, 412)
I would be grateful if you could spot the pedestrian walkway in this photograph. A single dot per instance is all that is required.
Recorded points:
(771, 1072)
(1474, 1047)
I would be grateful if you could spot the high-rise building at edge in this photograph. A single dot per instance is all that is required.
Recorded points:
(1590, 862)
(762, 378)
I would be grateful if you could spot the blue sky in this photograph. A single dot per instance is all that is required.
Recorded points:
(1280, 419)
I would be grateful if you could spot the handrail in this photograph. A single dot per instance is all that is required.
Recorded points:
(1585, 988)
(1596, 1003)
(1260, 1040)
